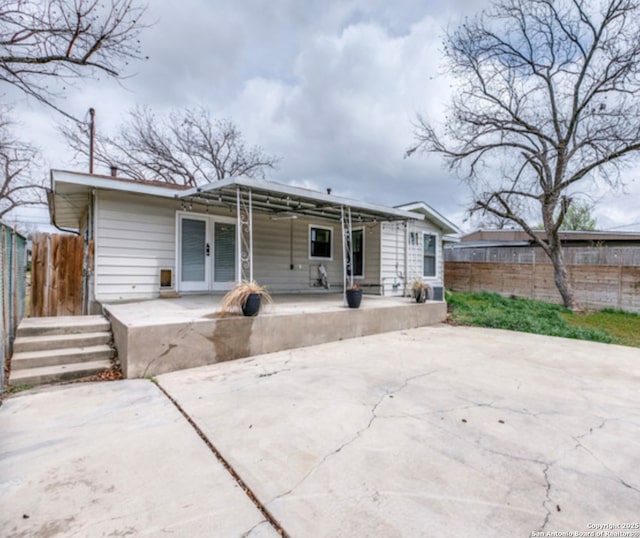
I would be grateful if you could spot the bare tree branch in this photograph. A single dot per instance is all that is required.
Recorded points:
(42, 41)
(19, 183)
(187, 148)
(548, 98)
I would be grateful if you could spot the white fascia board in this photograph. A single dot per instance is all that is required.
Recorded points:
(450, 239)
(110, 183)
(444, 223)
(289, 190)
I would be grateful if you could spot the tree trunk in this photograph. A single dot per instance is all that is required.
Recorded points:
(561, 276)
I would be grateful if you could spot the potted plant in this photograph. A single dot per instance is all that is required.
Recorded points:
(418, 290)
(245, 297)
(354, 296)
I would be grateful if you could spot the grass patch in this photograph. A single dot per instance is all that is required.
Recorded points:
(525, 315)
(624, 327)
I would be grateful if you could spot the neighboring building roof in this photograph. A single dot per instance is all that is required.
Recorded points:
(512, 238)
(69, 197)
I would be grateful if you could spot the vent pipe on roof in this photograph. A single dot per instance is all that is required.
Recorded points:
(328, 190)
(114, 170)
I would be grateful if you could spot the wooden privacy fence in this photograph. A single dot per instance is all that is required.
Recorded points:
(58, 286)
(595, 286)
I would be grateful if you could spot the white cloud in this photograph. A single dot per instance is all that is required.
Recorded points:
(332, 87)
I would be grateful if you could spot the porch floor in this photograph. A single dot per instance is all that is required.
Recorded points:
(206, 306)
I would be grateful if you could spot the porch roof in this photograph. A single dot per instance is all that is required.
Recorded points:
(290, 202)
(69, 198)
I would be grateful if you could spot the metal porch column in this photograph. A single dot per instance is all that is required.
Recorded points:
(244, 234)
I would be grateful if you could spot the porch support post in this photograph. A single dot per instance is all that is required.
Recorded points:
(350, 246)
(250, 223)
(244, 231)
(347, 251)
(238, 237)
(344, 258)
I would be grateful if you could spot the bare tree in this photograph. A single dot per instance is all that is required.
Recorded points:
(188, 148)
(19, 161)
(547, 99)
(44, 41)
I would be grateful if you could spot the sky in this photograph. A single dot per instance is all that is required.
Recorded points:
(331, 87)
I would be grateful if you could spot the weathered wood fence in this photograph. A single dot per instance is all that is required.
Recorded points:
(58, 266)
(13, 263)
(604, 279)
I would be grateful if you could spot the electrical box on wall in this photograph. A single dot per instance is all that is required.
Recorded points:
(438, 293)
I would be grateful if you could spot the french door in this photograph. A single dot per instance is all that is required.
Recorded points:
(206, 253)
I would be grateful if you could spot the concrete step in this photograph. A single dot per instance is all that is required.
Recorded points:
(52, 374)
(57, 357)
(60, 341)
(62, 325)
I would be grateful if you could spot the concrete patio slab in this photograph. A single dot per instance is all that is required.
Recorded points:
(113, 459)
(436, 431)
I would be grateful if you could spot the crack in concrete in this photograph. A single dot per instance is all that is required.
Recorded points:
(546, 466)
(248, 533)
(166, 352)
(547, 499)
(613, 474)
(269, 374)
(357, 435)
(492, 405)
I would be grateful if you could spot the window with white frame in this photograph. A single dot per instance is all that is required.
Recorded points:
(429, 255)
(320, 242)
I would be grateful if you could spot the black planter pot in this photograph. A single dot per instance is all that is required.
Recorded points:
(421, 296)
(354, 298)
(252, 306)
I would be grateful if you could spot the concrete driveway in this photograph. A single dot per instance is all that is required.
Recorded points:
(439, 431)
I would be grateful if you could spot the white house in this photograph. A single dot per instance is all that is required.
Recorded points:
(152, 239)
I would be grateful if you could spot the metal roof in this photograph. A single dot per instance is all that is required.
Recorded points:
(291, 201)
(69, 198)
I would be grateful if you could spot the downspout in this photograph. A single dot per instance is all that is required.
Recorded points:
(238, 237)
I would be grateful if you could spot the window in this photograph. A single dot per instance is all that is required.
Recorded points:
(429, 253)
(320, 242)
(357, 247)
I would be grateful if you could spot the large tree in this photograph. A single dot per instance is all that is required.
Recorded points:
(19, 181)
(44, 42)
(547, 99)
(188, 147)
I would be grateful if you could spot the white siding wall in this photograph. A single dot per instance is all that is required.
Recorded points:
(134, 238)
(393, 259)
(279, 244)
